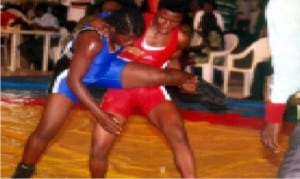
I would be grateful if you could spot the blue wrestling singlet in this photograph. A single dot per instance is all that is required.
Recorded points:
(105, 70)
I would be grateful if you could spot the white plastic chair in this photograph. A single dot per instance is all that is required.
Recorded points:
(261, 52)
(231, 42)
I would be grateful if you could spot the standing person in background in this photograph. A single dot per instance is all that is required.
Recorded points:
(32, 49)
(162, 41)
(286, 64)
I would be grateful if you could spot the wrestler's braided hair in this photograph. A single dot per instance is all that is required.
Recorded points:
(177, 6)
(127, 21)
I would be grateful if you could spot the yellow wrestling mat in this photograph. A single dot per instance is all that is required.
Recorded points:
(140, 152)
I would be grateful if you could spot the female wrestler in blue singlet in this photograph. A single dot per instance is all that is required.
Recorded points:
(93, 61)
(105, 70)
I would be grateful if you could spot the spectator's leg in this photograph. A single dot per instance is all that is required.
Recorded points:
(32, 51)
(261, 71)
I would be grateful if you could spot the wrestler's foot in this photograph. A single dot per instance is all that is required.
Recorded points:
(24, 171)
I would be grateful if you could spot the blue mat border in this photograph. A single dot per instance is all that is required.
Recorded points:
(244, 107)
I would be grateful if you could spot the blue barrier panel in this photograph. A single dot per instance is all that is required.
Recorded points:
(24, 85)
(245, 103)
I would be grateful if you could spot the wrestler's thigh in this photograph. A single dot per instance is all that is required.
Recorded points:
(166, 114)
(55, 113)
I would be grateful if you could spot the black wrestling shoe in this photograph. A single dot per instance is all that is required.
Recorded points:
(24, 171)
